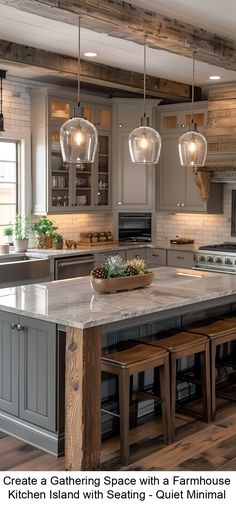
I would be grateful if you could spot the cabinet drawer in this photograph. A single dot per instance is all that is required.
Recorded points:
(155, 257)
(136, 253)
(100, 256)
(179, 258)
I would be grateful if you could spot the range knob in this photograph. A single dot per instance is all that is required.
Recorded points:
(228, 261)
(218, 260)
(202, 258)
(210, 259)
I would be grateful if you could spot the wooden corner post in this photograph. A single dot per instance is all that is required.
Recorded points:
(83, 399)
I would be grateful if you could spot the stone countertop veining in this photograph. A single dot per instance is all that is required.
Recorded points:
(73, 302)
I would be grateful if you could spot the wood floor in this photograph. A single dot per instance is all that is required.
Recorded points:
(198, 447)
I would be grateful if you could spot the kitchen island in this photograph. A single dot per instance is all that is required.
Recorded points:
(87, 315)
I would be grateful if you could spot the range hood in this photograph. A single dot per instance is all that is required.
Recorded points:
(221, 135)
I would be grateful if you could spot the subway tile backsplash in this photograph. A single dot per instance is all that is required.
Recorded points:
(203, 228)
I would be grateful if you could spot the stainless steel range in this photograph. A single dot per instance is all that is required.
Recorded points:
(219, 258)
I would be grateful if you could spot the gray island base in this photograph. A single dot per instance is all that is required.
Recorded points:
(86, 316)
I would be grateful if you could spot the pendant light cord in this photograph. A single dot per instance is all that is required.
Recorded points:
(193, 87)
(144, 76)
(79, 62)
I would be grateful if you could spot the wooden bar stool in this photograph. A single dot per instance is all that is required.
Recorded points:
(181, 345)
(219, 333)
(127, 363)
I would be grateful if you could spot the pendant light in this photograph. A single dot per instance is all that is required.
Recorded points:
(144, 141)
(2, 76)
(192, 144)
(78, 136)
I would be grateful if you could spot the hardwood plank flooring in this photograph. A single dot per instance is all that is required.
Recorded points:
(198, 447)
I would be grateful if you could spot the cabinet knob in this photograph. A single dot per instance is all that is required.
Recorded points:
(178, 204)
(182, 204)
(19, 328)
(13, 326)
(119, 202)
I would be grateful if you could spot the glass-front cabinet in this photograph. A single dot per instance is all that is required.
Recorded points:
(61, 187)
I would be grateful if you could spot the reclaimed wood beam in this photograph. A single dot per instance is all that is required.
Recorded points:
(91, 72)
(123, 20)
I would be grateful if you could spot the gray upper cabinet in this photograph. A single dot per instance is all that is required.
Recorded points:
(60, 187)
(28, 370)
(9, 366)
(177, 190)
(134, 184)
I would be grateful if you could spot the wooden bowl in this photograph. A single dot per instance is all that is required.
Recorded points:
(122, 283)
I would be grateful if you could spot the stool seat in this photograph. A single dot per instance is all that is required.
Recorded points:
(179, 342)
(140, 352)
(217, 329)
(219, 333)
(135, 360)
(182, 344)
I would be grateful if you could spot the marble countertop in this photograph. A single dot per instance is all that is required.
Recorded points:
(74, 303)
(58, 253)
(53, 253)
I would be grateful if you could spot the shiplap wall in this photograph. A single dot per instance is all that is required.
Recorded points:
(202, 227)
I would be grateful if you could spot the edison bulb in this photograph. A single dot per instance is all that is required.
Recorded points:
(79, 138)
(192, 147)
(144, 142)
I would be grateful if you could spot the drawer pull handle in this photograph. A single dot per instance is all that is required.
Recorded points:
(179, 257)
(19, 328)
(155, 255)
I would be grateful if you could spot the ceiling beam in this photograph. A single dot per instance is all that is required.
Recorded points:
(124, 20)
(90, 72)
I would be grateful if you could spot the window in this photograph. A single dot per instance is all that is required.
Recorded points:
(9, 167)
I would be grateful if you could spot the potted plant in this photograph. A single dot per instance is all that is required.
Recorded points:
(44, 230)
(22, 229)
(8, 234)
(58, 241)
(116, 275)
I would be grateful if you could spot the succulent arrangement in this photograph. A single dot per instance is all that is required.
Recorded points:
(115, 266)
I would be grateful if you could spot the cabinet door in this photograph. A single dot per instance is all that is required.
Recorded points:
(134, 181)
(9, 371)
(100, 256)
(102, 177)
(139, 253)
(172, 175)
(59, 199)
(177, 190)
(37, 373)
(180, 258)
(155, 257)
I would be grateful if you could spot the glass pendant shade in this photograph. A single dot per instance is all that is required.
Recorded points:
(145, 145)
(144, 141)
(192, 145)
(78, 136)
(78, 139)
(192, 149)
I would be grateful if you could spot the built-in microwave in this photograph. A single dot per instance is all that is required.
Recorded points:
(134, 227)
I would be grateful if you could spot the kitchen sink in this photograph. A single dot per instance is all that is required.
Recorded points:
(16, 270)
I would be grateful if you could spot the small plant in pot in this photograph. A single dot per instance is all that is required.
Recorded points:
(58, 241)
(8, 234)
(22, 228)
(44, 232)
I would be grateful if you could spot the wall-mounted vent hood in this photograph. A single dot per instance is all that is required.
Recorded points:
(221, 132)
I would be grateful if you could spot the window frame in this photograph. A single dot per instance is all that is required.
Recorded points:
(24, 180)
